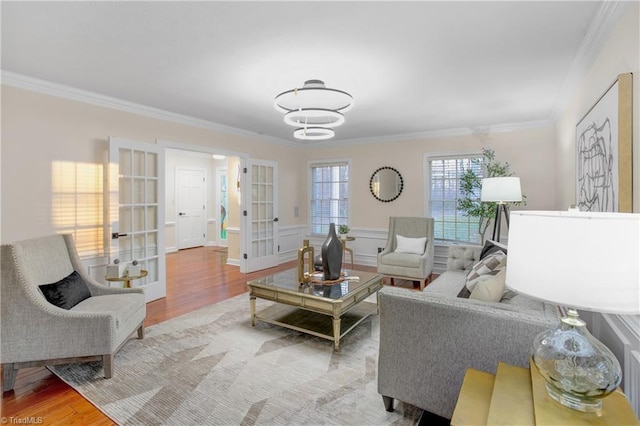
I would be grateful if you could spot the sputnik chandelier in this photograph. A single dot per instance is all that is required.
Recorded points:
(314, 110)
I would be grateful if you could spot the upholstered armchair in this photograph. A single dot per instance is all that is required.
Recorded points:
(405, 255)
(92, 324)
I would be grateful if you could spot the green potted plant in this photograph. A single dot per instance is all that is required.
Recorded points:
(470, 185)
(343, 230)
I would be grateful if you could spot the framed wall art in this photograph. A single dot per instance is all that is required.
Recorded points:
(604, 151)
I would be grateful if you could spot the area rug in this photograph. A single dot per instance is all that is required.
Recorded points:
(211, 367)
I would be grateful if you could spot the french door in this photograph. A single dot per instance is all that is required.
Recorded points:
(261, 222)
(136, 211)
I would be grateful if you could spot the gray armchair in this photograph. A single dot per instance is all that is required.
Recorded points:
(411, 266)
(35, 332)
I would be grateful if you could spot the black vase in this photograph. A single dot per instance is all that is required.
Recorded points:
(332, 255)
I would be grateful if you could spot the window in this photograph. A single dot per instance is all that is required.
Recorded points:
(329, 195)
(444, 177)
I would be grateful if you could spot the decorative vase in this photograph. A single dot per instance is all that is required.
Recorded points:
(332, 255)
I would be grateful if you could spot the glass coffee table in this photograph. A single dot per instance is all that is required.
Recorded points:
(327, 311)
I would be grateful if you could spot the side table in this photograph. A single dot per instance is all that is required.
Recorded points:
(516, 395)
(345, 249)
(126, 279)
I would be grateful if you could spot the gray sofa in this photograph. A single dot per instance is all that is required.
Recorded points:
(428, 339)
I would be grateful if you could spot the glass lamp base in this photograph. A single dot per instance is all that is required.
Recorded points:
(574, 402)
(578, 368)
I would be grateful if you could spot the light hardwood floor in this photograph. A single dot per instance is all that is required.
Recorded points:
(195, 278)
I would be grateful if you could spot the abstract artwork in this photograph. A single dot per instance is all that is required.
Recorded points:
(603, 151)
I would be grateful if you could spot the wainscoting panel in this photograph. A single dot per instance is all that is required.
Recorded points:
(615, 332)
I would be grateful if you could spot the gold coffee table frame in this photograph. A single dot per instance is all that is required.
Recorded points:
(326, 311)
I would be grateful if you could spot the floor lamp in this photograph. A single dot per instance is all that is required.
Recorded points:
(500, 190)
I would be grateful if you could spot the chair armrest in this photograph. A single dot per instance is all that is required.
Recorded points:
(427, 342)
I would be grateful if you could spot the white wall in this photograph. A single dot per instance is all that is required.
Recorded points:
(619, 54)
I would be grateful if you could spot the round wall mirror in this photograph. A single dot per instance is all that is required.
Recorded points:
(386, 184)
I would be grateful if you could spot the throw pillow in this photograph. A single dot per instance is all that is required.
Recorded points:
(490, 290)
(491, 247)
(485, 268)
(67, 292)
(464, 292)
(410, 245)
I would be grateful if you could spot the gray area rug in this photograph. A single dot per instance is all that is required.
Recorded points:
(210, 367)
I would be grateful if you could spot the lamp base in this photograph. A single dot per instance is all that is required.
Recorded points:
(578, 368)
(587, 405)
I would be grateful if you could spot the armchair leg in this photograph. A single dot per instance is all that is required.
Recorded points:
(9, 374)
(388, 403)
(141, 332)
(107, 365)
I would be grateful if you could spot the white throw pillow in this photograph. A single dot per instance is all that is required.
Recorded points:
(486, 268)
(410, 245)
(490, 290)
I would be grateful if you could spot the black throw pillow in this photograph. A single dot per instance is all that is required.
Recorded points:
(491, 247)
(67, 292)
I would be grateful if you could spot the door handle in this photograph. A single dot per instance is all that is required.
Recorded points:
(116, 235)
(275, 219)
(181, 214)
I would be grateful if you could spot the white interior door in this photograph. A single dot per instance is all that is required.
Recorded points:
(261, 215)
(136, 211)
(191, 206)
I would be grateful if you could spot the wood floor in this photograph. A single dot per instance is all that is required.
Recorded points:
(195, 278)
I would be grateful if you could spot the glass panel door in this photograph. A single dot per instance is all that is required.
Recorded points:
(136, 216)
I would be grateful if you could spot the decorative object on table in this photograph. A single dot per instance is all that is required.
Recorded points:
(134, 269)
(386, 184)
(116, 269)
(343, 230)
(471, 184)
(306, 250)
(332, 255)
(313, 109)
(317, 262)
(500, 190)
(568, 245)
(603, 151)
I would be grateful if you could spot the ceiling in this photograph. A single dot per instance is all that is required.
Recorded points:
(412, 67)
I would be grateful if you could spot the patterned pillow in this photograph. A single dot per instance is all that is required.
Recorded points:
(490, 290)
(486, 268)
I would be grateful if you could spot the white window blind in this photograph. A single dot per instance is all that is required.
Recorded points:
(450, 224)
(329, 196)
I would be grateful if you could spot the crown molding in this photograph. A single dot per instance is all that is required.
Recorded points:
(437, 134)
(33, 84)
(597, 34)
(54, 89)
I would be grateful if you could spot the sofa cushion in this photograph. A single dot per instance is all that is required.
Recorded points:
(462, 258)
(121, 306)
(490, 290)
(410, 245)
(401, 259)
(67, 292)
(485, 268)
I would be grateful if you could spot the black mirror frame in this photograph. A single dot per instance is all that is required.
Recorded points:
(371, 184)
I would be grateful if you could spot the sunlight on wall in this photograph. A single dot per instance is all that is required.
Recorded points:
(77, 204)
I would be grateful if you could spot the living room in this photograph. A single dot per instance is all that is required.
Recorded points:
(52, 129)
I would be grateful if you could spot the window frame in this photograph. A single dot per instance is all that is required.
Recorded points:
(326, 162)
(428, 158)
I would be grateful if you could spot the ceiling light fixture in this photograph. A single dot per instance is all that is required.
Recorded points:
(314, 133)
(314, 109)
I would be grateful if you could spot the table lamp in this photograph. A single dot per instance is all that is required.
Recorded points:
(500, 190)
(581, 260)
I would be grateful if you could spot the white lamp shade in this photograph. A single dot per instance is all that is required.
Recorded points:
(501, 189)
(583, 260)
